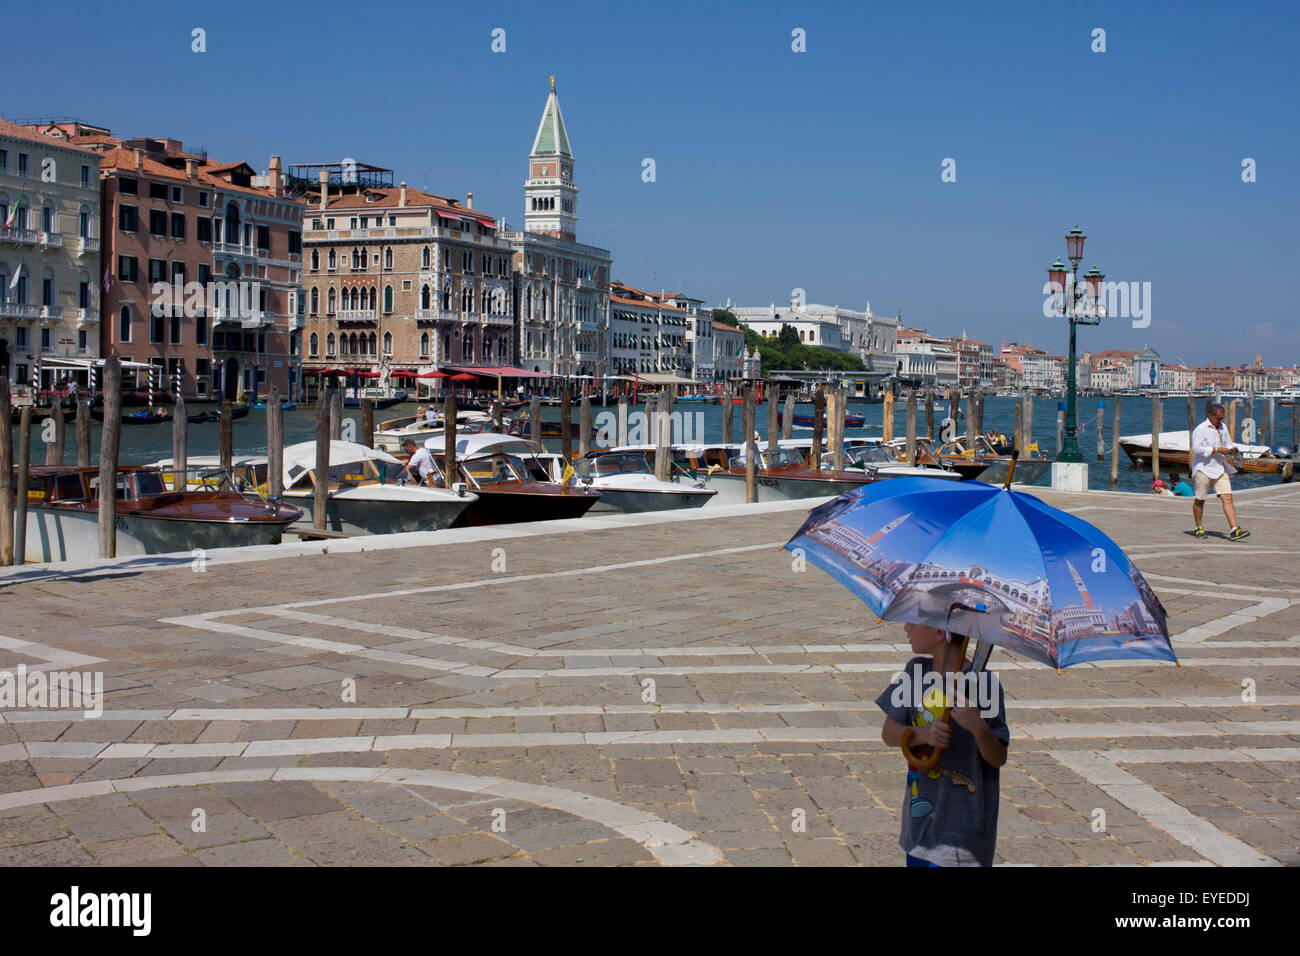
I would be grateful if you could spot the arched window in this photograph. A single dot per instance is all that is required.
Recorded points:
(424, 345)
(329, 301)
(388, 299)
(446, 346)
(315, 343)
(372, 344)
(329, 344)
(315, 260)
(446, 296)
(356, 299)
(466, 299)
(371, 299)
(232, 224)
(124, 324)
(424, 294)
(388, 258)
(315, 300)
(331, 259)
(424, 258)
(388, 343)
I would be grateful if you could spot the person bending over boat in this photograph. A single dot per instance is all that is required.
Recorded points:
(1210, 444)
(419, 464)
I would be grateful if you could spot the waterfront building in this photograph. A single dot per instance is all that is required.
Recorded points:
(870, 337)
(927, 358)
(648, 335)
(562, 287)
(1212, 377)
(1250, 379)
(175, 217)
(399, 281)
(700, 365)
(1177, 378)
(49, 251)
(974, 361)
(728, 347)
(1034, 368)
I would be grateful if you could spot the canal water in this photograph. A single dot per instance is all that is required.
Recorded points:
(147, 443)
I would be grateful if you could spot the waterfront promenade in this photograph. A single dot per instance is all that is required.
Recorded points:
(488, 699)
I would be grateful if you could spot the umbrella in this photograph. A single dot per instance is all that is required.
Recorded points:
(996, 565)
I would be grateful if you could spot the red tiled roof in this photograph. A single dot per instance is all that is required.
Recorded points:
(32, 136)
(389, 197)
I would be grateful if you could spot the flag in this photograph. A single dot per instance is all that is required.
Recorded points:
(13, 211)
(13, 283)
(569, 474)
(740, 351)
(593, 273)
(108, 281)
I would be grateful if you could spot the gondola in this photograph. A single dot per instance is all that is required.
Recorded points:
(139, 416)
(40, 414)
(284, 406)
(239, 410)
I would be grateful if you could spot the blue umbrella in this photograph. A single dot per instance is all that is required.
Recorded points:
(996, 565)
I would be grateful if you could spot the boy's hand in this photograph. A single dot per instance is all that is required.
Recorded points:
(968, 717)
(937, 734)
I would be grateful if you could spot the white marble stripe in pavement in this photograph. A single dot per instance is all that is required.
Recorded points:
(262, 714)
(741, 735)
(52, 656)
(668, 843)
(1180, 823)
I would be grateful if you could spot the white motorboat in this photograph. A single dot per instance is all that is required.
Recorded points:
(879, 463)
(368, 491)
(390, 435)
(626, 483)
(1174, 451)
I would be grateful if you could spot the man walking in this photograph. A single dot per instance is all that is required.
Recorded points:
(1210, 443)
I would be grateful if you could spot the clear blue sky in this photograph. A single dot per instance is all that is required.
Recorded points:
(776, 169)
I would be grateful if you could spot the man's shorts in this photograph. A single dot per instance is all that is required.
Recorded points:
(1204, 482)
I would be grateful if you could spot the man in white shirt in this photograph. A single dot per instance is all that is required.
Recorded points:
(1210, 443)
(420, 464)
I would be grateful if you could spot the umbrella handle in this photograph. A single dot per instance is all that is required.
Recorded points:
(921, 763)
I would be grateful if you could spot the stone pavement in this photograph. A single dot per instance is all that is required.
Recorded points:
(626, 691)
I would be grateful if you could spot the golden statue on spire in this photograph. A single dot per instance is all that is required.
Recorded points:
(552, 83)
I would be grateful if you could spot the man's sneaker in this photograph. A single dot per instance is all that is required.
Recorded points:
(1238, 533)
(1200, 532)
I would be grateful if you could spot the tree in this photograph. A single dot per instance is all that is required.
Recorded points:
(726, 317)
(788, 338)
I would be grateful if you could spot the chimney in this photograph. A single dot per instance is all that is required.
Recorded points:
(139, 160)
(192, 169)
(402, 201)
(324, 188)
(276, 181)
(469, 200)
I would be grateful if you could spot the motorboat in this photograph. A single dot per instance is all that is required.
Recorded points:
(63, 515)
(1173, 451)
(354, 401)
(390, 435)
(879, 463)
(509, 491)
(368, 491)
(627, 483)
(149, 415)
(851, 420)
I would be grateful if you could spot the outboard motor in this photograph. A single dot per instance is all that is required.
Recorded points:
(1284, 451)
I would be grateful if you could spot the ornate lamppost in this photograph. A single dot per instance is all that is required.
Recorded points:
(1079, 307)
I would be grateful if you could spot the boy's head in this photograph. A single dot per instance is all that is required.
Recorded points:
(923, 638)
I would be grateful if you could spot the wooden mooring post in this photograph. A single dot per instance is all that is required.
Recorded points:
(110, 437)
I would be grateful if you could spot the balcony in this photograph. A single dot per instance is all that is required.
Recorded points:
(508, 320)
(51, 314)
(233, 249)
(85, 244)
(297, 322)
(255, 319)
(87, 317)
(19, 311)
(25, 237)
(357, 315)
(51, 240)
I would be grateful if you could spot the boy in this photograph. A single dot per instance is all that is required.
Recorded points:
(950, 812)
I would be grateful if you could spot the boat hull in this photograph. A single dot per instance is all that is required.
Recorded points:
(629, 500)
(1028, 471)
(731, 488)
(61, 534)
(513, 507)
(363, 515)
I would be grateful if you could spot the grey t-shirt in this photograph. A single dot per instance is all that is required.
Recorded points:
(950, 812)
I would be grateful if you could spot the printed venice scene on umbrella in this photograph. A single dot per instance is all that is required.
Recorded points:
(1046, 586)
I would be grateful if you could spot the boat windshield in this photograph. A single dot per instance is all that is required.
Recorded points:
(353, 472)
(780, 457)
(869, 456)
(494, 469)
(148, 483)
(615, 463)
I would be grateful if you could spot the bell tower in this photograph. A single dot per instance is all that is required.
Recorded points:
(550, 197)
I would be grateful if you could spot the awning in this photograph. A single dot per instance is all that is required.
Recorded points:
(663, 378)
(505, 371)
(325, 371)
(364, 373)
(446, 215)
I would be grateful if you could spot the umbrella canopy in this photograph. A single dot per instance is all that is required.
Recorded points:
(464, 377)
(434, 374)
(997, 565)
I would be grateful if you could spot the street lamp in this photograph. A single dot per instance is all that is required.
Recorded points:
(1078, 309)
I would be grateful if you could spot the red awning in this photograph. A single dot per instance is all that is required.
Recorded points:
(462, 377)
(364, 373)
(486, 221)
(505, 371)
(324, 371)
(447, 215)
(433, 374)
